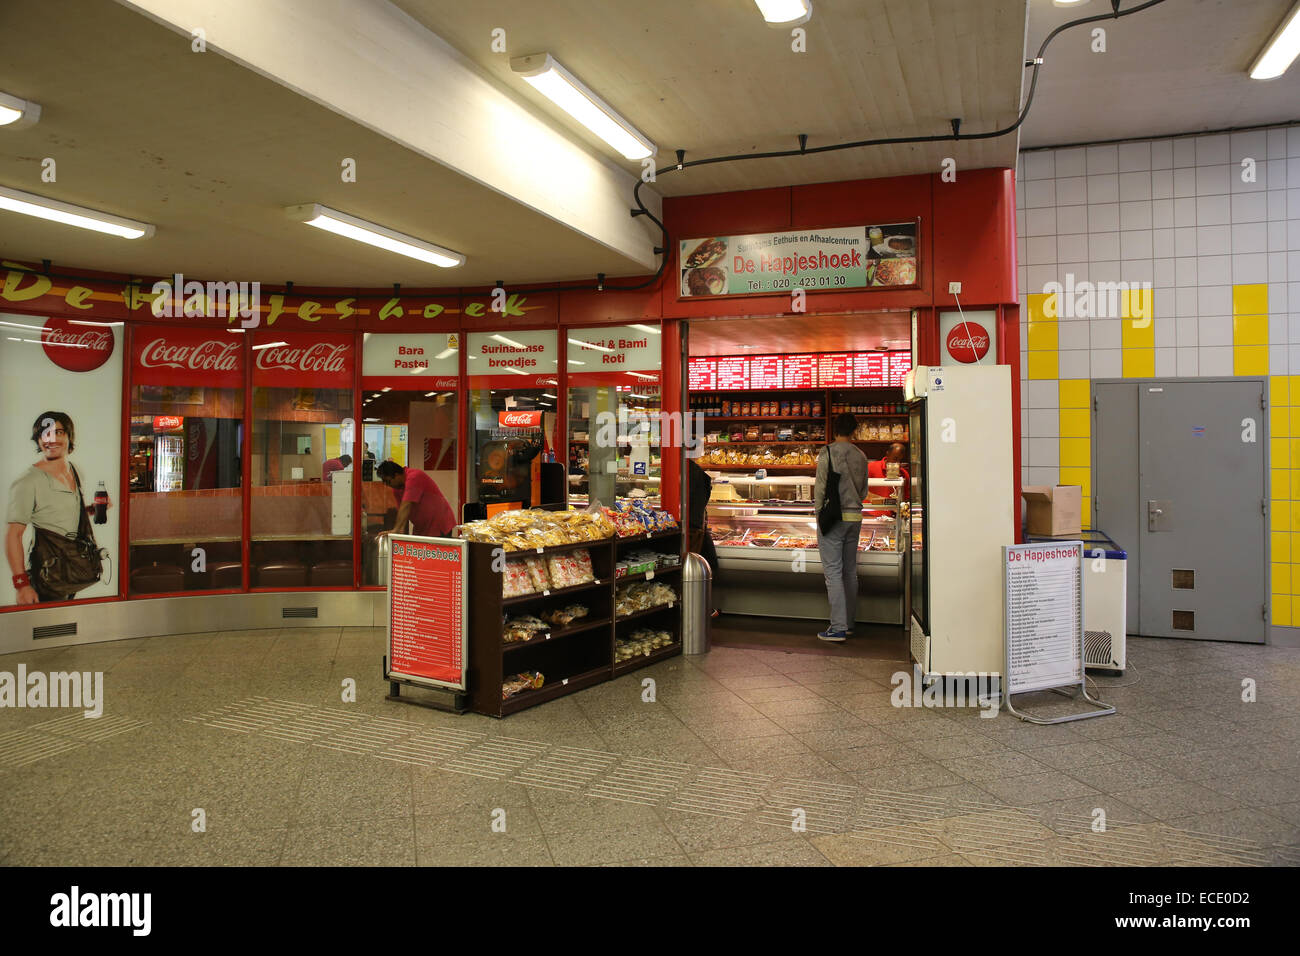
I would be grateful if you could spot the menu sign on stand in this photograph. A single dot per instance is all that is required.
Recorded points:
(427, 616)
(1043, 589)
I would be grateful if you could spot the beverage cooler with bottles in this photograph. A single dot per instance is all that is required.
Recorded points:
(962, 514)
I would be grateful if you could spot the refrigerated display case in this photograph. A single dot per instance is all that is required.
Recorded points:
(961, 500)
(169, 462)
(765, 531)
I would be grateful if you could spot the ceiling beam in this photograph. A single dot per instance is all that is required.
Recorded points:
(371, 63)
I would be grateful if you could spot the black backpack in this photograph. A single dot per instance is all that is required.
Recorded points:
(829, 515)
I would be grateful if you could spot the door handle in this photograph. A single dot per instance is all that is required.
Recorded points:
(1156, 519)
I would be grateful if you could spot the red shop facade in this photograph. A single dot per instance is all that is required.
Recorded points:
(208, 437)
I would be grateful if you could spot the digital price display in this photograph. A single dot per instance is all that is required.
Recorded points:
(835, 370)
(733, 372)
(869, 369)
(900, 363)
(800, 371)
(702, 375)
(765, 371)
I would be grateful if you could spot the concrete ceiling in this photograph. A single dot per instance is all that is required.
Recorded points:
(715, 80)
(1180, 67)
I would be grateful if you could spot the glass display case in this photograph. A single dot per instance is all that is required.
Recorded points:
(765, 531)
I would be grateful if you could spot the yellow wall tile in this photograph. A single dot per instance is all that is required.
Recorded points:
(1279, 484)
(1250, 299)
(1281, 578)
(1140, 363)
(1279, 452)
(1043, 365)
(1295, 609)
(1138, 334)
(1075, 453)
(1295, 578)
(1295, 452)
(1138, 304)
(1042, 336)
(1250, 330)
(1087, 511)
(1279, 422)
(1040, 307)
(1075, 423)
(1077, 476)
(1277, 390)
(1250, 360)
(1295, 485)
(1279, 515)
(1281, 546)
(1074, 393)
(1294, 508)
(1280, 610)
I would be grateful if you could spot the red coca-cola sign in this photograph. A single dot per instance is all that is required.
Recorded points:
(968, 342)
(172, 356)
(519, 419)
(167, 423)
(303, 360)
(77, 346)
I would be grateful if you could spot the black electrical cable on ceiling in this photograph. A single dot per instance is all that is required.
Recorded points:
(802, 150)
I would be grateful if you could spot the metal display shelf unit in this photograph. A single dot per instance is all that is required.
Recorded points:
(772, 530)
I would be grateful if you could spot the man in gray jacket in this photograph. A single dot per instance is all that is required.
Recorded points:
(839, 546)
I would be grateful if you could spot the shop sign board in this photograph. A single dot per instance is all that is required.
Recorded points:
(967, 338)
(303, 360)
(596, 356)
(410, 359)
(512, 359)
(427, 611)
(1044, 595)
(169, 355)
(817, 260)
(812, 370)
(515, 419)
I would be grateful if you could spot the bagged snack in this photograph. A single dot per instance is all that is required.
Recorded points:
(565, 616)
(516, 580)
(523, 628)
(537, 573)
(518, 683)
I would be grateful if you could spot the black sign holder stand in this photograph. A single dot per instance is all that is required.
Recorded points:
(451, 701)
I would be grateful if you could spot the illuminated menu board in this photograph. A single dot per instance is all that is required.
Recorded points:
(835, 370)
(733, 372)
(702, 375)
(799, 371)
(869, 369)
(900, 363)
(765, 371)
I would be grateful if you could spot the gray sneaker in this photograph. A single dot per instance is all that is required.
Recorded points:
(834, 635)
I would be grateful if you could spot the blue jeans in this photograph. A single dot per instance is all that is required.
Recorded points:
(839, 553)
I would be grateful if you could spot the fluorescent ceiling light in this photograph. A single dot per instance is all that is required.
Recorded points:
(386, 388)
(785, 13)
(589, 345)
(29, 204)
(515, 370)
(502, 338)
(268, 345)
(341, 224)
(646, 328)
(1068, 3)
(444, 353)
(429, 394)
(576, 362)
(1281, 50)
(16, 113)
(569, 93)
(548, 395)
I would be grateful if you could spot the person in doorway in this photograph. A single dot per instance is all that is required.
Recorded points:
(48, 497)
(839, 546)
(332, 465)
(420, 502)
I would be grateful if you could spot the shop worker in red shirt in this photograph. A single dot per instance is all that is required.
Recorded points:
(421, 503)
(332, 465)
(878, 469)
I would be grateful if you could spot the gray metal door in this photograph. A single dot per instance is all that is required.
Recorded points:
(1115, 477)
(1202, 521)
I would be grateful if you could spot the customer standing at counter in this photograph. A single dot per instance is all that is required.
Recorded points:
(839, 546)
(422, 503)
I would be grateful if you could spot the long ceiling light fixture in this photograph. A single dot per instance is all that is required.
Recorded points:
(1281, 50)
(571, 95)
(350, 227)
(785, 13)
(29, 204)
(16, 113)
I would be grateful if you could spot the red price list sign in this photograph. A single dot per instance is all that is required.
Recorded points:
(835, 370)
(426, 611)
(733, 372)
(900, 363)
(800, 371)
(702, 375)
(765, 371)
(869, 369)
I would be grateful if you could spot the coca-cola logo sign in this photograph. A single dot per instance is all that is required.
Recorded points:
(77, 347)
(211, 355)
(968, 342)
(321, 357)
(167, 423)
(520, 419)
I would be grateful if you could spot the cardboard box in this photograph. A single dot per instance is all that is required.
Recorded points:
(1053, 510)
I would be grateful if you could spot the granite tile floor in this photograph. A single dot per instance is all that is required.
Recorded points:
(238, 749)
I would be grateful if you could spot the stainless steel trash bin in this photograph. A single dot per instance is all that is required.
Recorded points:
(697, 604)
(383, 551)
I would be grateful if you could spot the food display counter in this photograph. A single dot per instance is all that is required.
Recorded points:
(765, 531)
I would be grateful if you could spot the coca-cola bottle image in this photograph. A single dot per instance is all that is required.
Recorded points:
(101, 504)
